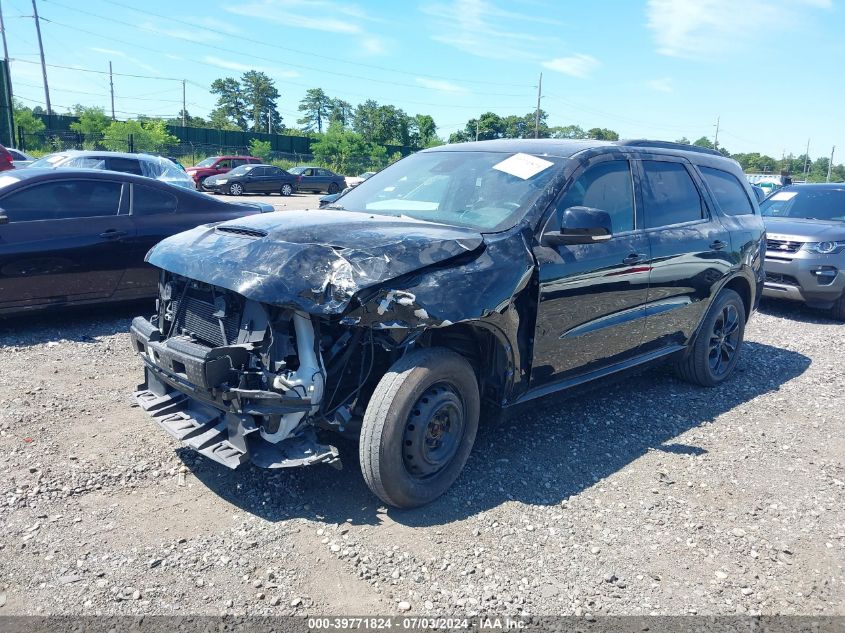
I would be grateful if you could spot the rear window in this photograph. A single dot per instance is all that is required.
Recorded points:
(151, 201)
(812, 203)
(728, 191)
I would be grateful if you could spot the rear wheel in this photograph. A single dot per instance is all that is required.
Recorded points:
(715, 353)
(334, 188)
(838, 309)
(286, 190)
(236, 189)
(419, 427)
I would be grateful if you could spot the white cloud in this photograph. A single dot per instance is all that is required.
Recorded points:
(315, 15)
(705, 28)
(111, 52)
(578, 65)
(373, 46)
(441, 86)
(190, 35)
(229, 64)
(661, 85)
(480, 28)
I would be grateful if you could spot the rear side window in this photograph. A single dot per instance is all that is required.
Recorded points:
(605, 186)
(258, 171)
(126, 165)
(63, 200)
(151, 201)
(669, 195)
(728, 191)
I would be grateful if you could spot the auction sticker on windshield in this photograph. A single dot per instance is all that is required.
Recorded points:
(523, 166)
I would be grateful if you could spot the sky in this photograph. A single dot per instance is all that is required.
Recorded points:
(771, 71)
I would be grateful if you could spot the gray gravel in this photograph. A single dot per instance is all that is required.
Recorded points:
(650, 496)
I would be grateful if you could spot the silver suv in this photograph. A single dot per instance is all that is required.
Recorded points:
(805, 258)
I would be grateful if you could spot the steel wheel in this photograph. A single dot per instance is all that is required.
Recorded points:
(433, 431)
(724, 340)
(236, 189)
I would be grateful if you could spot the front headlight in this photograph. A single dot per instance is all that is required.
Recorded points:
(824, 248)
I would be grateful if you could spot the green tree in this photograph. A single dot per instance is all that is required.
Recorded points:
(147, 136)
(260, 95)
(567, 132)
(192, 121)
(426, 129)
(218, 120)
(92, 124)
(261, 149)
(341, 111)
(602, 134)
(703, 142)
(382, 123)
(25, 121)
(231, 104)
(316, 107)
(344, 150)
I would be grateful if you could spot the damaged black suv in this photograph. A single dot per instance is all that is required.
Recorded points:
(460, 278)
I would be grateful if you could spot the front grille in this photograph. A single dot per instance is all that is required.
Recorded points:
(777, 278)
(782, 246)
(196, 318)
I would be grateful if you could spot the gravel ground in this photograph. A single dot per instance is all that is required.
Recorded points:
(650, 496)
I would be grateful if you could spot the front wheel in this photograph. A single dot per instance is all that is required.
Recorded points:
(419, 427)
(715, 353)
(286, 190)
(838, 309)
(236, 189)
(334, 188)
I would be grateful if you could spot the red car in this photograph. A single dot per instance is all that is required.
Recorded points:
(5, 159)
(214, 165)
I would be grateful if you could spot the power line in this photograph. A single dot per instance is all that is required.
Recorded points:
(301, 52)
(218, 49)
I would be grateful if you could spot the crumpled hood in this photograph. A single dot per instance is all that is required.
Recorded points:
(312, 260)
(804, 230)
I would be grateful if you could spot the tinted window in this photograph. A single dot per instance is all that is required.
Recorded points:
(63, 199)
(126, 165)
(729, 192)
(258, 171)
(237, 162)
(669, 195)
(820, 203)
(606, 186)
(274, 171)
(326, 172)
(149, 201)
(223, 164)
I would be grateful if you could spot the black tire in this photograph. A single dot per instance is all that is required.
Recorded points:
(286, 190)
(333, 188)
(838, 309)
(716, 349)
(435, 385)
(236, 189)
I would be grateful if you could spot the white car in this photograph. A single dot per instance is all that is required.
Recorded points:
(147, 165)
(354, 181)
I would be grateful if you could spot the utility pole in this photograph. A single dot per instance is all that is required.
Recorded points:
(268, 122)
(111, 90)
(3, 30)
(476, 129)
(43, 63)
(830, 164)
(537, 113)
(184, 107)
(806, 159)
(716, 139)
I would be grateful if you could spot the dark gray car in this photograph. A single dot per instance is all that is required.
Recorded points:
(805, 257)
(318, 179)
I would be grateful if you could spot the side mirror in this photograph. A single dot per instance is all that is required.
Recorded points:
(581, 225)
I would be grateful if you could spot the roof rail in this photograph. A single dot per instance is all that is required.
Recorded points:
(669, 145)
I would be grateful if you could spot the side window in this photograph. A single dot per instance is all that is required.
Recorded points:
(274, 171)
(237, 162)
(728, 191)
(151, 201)
(326, 173)
(126, 165)
(223, 164)
(257, 171)
(63, 199)
(606, 186)
(308, 172)
(669, 195)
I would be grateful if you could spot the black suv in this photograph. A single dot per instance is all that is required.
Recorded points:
(462, 277)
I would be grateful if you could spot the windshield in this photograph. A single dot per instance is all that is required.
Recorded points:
(296, 170)
(811, 203)
(240, 171)
(208, 162)
(49, 161)
(482, 190)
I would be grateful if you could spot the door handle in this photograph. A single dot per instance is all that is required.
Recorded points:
(718, 245)
(112, 234)
(634, 258)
